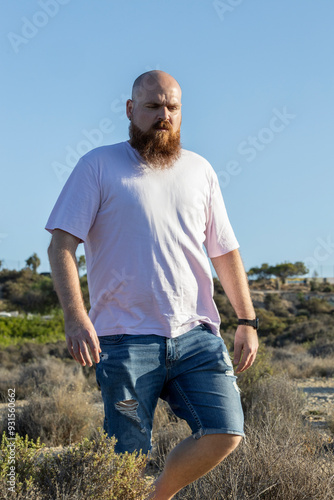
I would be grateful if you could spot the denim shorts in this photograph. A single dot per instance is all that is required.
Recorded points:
(192, 372)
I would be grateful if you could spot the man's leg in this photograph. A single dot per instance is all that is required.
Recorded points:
(131, 375)
(191, 459)
(201, 388)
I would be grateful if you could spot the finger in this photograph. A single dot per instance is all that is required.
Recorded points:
(243, 361)
(242, 367)
(78, 353)
(247, 363)
(85, 353)
(70, 348)
(95, 349)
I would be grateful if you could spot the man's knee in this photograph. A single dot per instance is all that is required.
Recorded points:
(234, 440)
(223, 444)
(229, 441)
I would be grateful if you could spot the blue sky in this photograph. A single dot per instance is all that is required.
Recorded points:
(258, 94)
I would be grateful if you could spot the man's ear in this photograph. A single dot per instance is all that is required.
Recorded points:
(129, 108)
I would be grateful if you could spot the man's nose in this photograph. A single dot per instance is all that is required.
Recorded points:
(163, 113)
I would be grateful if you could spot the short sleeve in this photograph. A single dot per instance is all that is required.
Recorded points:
(78, 203)
(220, 238)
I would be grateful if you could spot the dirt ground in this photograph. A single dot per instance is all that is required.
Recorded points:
(319, 407)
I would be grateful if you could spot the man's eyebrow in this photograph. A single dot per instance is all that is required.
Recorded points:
(160, 103)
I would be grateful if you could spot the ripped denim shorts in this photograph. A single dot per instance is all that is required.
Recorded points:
(192, 372)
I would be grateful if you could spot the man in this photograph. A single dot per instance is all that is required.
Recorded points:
(144, 209)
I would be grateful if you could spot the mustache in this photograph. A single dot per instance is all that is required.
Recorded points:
(162, 125)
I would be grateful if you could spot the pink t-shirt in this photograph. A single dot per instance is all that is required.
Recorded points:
(143, 232)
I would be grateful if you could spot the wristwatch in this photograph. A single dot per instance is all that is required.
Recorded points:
(249, 322)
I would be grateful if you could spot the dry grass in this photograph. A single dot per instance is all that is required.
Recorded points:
(297, 363)
(281, 458)
(41, 377)
(65, 417)
(18, 355)
(60, 408)
(330, 423)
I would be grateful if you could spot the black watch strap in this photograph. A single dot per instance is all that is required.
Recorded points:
(249, 322)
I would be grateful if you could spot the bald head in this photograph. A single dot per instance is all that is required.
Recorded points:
(156, 97)
(153, 81)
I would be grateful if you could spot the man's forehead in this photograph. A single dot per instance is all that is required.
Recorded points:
(160, 95)
(161, 89)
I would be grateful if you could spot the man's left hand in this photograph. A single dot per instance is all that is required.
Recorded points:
(246, 344)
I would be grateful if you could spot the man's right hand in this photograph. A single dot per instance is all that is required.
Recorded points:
(80, 333)
(79, 330)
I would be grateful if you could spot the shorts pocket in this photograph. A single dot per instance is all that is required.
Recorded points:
(111, 339)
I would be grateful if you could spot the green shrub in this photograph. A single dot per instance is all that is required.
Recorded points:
(270, 324)
(25, 453)
(273, 302)
(88, 470)
(17, 330)
(318, 306)
(306, 331)
(29, 291)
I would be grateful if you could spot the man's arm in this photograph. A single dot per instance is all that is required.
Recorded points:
(79, 329)
(232, 276)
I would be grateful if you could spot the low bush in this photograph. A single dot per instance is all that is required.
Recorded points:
(18, 330)
(273, 302)
(270, 324)
(42, 377)
(63, 418)
(316, 305)
(88, 470)
(297, 365)
(59, 405)
(306, 331)
(15, 356)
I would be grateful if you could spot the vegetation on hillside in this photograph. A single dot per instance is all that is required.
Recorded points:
(58, 402)
(281, 271)
(307, 315)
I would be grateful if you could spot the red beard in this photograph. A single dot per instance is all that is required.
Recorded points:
(159, 149)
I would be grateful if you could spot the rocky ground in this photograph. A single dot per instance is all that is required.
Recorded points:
(319, 408)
